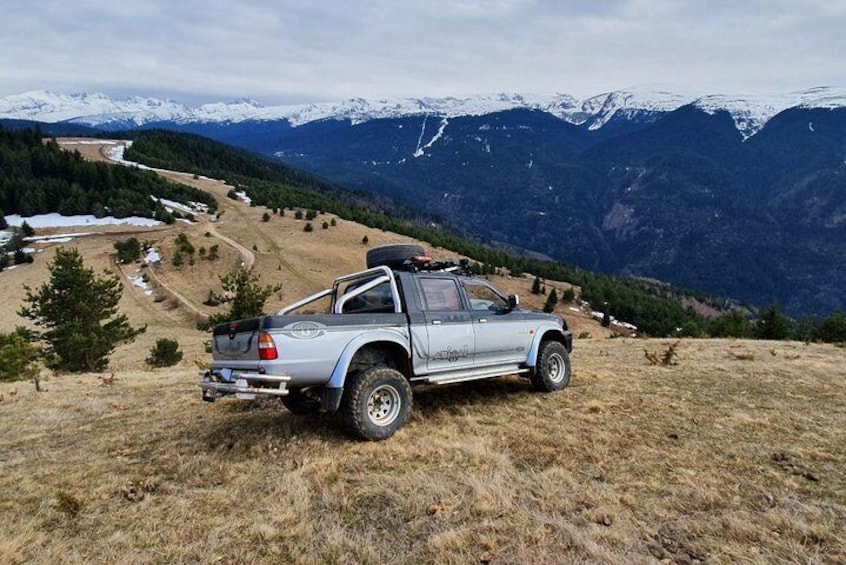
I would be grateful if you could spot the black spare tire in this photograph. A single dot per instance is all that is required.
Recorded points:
(392, 256)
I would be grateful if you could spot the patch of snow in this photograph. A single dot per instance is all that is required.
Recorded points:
(139, 282)
(172, 205)
(54, 220)
(435, 138)
(419, 151)
(152, 256)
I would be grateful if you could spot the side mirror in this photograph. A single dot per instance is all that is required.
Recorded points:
(513, 301)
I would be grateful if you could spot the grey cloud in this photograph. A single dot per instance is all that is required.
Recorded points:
(286, 52)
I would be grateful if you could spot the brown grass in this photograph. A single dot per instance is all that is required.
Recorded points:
(735, 454)
(713, 459)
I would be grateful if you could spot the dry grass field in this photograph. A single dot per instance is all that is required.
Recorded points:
(734, 454)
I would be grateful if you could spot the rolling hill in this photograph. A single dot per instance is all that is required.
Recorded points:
(733, 453)
(733, 195)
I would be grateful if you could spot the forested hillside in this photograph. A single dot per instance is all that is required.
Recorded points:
(38, 178)
(655, 309)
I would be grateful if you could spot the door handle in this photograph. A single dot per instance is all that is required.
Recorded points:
(436, 322)
(483, 320)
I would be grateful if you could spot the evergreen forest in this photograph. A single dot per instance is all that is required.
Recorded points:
(39, 177)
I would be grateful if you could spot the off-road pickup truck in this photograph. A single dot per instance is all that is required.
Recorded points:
(405, 320)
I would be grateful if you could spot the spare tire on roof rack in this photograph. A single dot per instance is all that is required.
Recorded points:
(392, 256)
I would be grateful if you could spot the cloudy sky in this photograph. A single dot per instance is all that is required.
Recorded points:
(286, 52)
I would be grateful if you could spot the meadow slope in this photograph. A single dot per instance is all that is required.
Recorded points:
(734, 454)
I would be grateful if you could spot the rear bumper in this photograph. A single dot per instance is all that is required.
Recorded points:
(244, 385)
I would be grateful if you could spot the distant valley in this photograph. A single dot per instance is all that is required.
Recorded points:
(739, 197)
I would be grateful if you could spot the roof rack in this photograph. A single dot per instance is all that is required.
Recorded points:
(422, 263)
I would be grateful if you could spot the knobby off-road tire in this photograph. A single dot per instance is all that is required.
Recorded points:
(392, 256)
(301, 404)
(377, 402)
(553, 369)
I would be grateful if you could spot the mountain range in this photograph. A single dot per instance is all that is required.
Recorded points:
(740, 196)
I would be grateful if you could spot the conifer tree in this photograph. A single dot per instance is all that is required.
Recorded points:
(79, 313)
(245, 296)
(536, 286)
(551, 301)
(771, 324)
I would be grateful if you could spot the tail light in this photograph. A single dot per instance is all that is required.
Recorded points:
(266, 347)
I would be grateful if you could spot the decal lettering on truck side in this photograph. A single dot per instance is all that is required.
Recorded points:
(452, 355)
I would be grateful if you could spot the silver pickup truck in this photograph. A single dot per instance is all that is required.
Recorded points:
(405, 320)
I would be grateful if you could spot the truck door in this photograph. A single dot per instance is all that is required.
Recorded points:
(449, 329)
(501, 334)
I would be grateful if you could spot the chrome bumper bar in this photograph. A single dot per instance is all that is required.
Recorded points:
(245, 386)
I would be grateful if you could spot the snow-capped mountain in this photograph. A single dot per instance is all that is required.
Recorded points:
(750, 113)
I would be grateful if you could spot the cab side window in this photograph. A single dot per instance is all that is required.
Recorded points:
(483, 297)
(441, 295)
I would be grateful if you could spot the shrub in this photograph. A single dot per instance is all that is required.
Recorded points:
(164, 354)
(308, 227)
(214, 251)
(325, 225)
(128, 250)
(833, 328)
(18, 357)
(265, 217)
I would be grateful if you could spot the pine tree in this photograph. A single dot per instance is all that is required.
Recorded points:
(79, 313)
(833, 328)
(771, 324)
(244, 294)
(536, 286)
(551, 301)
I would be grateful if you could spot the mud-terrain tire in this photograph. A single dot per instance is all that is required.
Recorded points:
(301, 404)
(392, 256)
(377, 402)
(553, 369)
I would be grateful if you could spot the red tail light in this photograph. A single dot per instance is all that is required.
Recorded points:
(266, 347)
